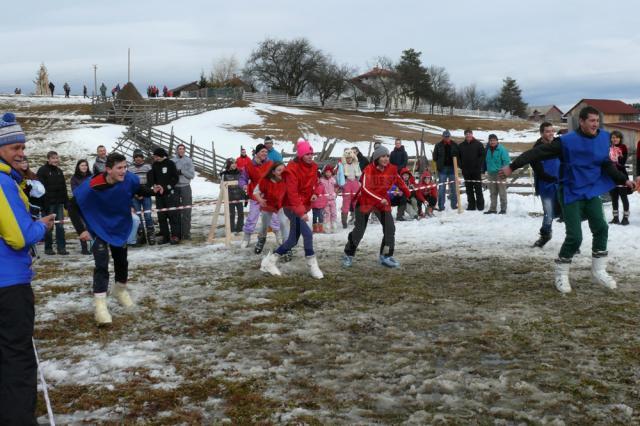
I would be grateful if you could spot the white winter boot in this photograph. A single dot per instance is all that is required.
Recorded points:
(121, 293)
(270, 264)
(102, 314)
(599, 273)
(278, 238)
(562, 277)
(245, 241)
(314, 269)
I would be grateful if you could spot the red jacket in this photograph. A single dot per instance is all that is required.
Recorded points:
(322, 198)
(375, 184)
(255, 172)
(273, 193)
(301, 179)
(430, 188)
(242, 162)
(412, 185)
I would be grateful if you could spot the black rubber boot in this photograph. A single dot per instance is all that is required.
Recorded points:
(544, 239)
(259, 245)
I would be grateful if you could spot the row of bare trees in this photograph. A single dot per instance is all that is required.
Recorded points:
(296, 67)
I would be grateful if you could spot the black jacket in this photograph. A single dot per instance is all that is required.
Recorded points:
(235, 192)
(362, 161)
(440, 157)
(472, 156)
(54, 183)
(165, 174)
(399, 158)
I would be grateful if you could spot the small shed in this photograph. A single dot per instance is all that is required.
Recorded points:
(189, 87)
(550, 113)
(611, 111)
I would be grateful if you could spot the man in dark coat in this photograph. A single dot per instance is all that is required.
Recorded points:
(399, 156)
(164, 174)
(443, 155)
(471, 162)
(55, 200)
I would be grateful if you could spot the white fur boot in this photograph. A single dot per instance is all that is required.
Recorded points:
(102, 314)
(120, 292)
(599, 273)
(314, 269)
(562, 277)
(245, 241)
(269, 264)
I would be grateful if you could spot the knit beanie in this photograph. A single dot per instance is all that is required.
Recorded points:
(160, 152)
(303, 148)
(138, 153)
(10, 130)
(259, 148)
(379, 152)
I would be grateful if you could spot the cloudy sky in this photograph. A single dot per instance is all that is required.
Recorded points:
(557, 51)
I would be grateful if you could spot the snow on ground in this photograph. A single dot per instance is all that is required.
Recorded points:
(26, 100)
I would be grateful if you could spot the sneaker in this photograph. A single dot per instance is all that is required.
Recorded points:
(347, 261)
(260, 245)
(389, 261)
(544, 239)
(491, 212)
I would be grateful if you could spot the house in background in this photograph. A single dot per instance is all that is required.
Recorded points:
(189, 87)
(550, 113)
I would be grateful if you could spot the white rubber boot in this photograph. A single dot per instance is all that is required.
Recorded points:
(314, 269)
(269, 264)
(562, 277)
(121, 293)
(278, 238)
(599, 273)
(245, 241)
(102, 314)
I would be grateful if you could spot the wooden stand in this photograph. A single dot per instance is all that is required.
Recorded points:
(457, 180)
(223, 198)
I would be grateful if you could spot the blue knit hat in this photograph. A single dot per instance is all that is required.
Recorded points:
(10, 131)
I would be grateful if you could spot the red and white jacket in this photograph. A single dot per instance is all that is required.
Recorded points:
(375, 184)
(273, 194)
(300, 179)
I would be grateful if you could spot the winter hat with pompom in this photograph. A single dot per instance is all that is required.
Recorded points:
(10, 130)
(303, 147)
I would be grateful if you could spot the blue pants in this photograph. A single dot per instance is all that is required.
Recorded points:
(548, 207)
(318, 216)
(447, 175)
(133, 236)
(144, 204)
(58, 210)
(297, 227)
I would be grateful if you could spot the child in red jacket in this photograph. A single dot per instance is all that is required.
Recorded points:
(416, 199)
(429, 190)
(317, 207)
(269, 193)
(377, 178)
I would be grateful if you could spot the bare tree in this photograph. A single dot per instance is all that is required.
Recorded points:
(441, 87)
(473, 98)
(330, 79)
(224, 69)
(284, 65)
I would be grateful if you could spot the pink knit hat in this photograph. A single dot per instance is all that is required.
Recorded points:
(303, 147)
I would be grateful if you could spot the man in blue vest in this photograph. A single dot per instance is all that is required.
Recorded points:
(586, 172)
(18, 232)
(101, 210)
(546, 174)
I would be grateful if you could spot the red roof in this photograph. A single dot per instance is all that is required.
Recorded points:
(608, 106)
(626, 125)
(376, 72)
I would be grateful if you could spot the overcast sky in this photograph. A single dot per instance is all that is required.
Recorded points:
(558, 51)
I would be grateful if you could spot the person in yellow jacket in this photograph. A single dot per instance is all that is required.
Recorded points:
(18, 232)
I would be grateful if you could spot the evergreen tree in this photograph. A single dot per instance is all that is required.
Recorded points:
(203, 81)
(510, 98)
(413, 77)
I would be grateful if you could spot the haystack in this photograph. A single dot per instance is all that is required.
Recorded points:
(129, 93)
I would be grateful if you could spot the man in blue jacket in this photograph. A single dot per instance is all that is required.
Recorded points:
(101, 210)
(18, 231)
(272, 154)
(586, 172)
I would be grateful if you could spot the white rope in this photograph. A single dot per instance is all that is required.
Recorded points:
(52, 422)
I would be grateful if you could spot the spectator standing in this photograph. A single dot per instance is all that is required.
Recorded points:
(103, 91)
(443, 154)
(55, 200)
(163, 179)
(101, 159)
(399, 156)
(52, 87)
(67, 89)
(236, 195)
(362, 160)
(33, 188)
(84, 91)
(186, 171)
(141, 202)
(81, 174)
(243, 160)
(497, 158)
(272, 154)
(472, 158)
(619, 154)
(18, 231)
(350, 168)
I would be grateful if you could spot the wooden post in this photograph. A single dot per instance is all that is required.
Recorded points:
(214, 221)
(191, 147)
(215, 162)
(456, 175)
(227, 220)
(369, 153)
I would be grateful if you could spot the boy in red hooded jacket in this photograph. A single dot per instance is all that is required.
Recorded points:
(300, 177)
(377, 178)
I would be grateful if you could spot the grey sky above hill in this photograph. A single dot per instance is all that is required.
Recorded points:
(557, 51)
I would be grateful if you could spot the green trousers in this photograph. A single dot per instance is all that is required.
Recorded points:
(573, 214)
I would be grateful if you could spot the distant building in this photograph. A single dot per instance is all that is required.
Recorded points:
(550, 113)
(189, 87)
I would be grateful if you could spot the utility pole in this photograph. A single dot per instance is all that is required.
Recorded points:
(95, 81)
(128, 65)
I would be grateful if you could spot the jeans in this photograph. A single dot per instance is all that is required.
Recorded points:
(446, 175)
(58, 210)
(548, 207)
(133, 236)
(144, 205)
(101, 271)
(18, 369)
(318, 216)
(297, 227)
(388, 229)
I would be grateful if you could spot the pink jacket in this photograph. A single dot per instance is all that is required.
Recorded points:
(322, 200)
(329, 187)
